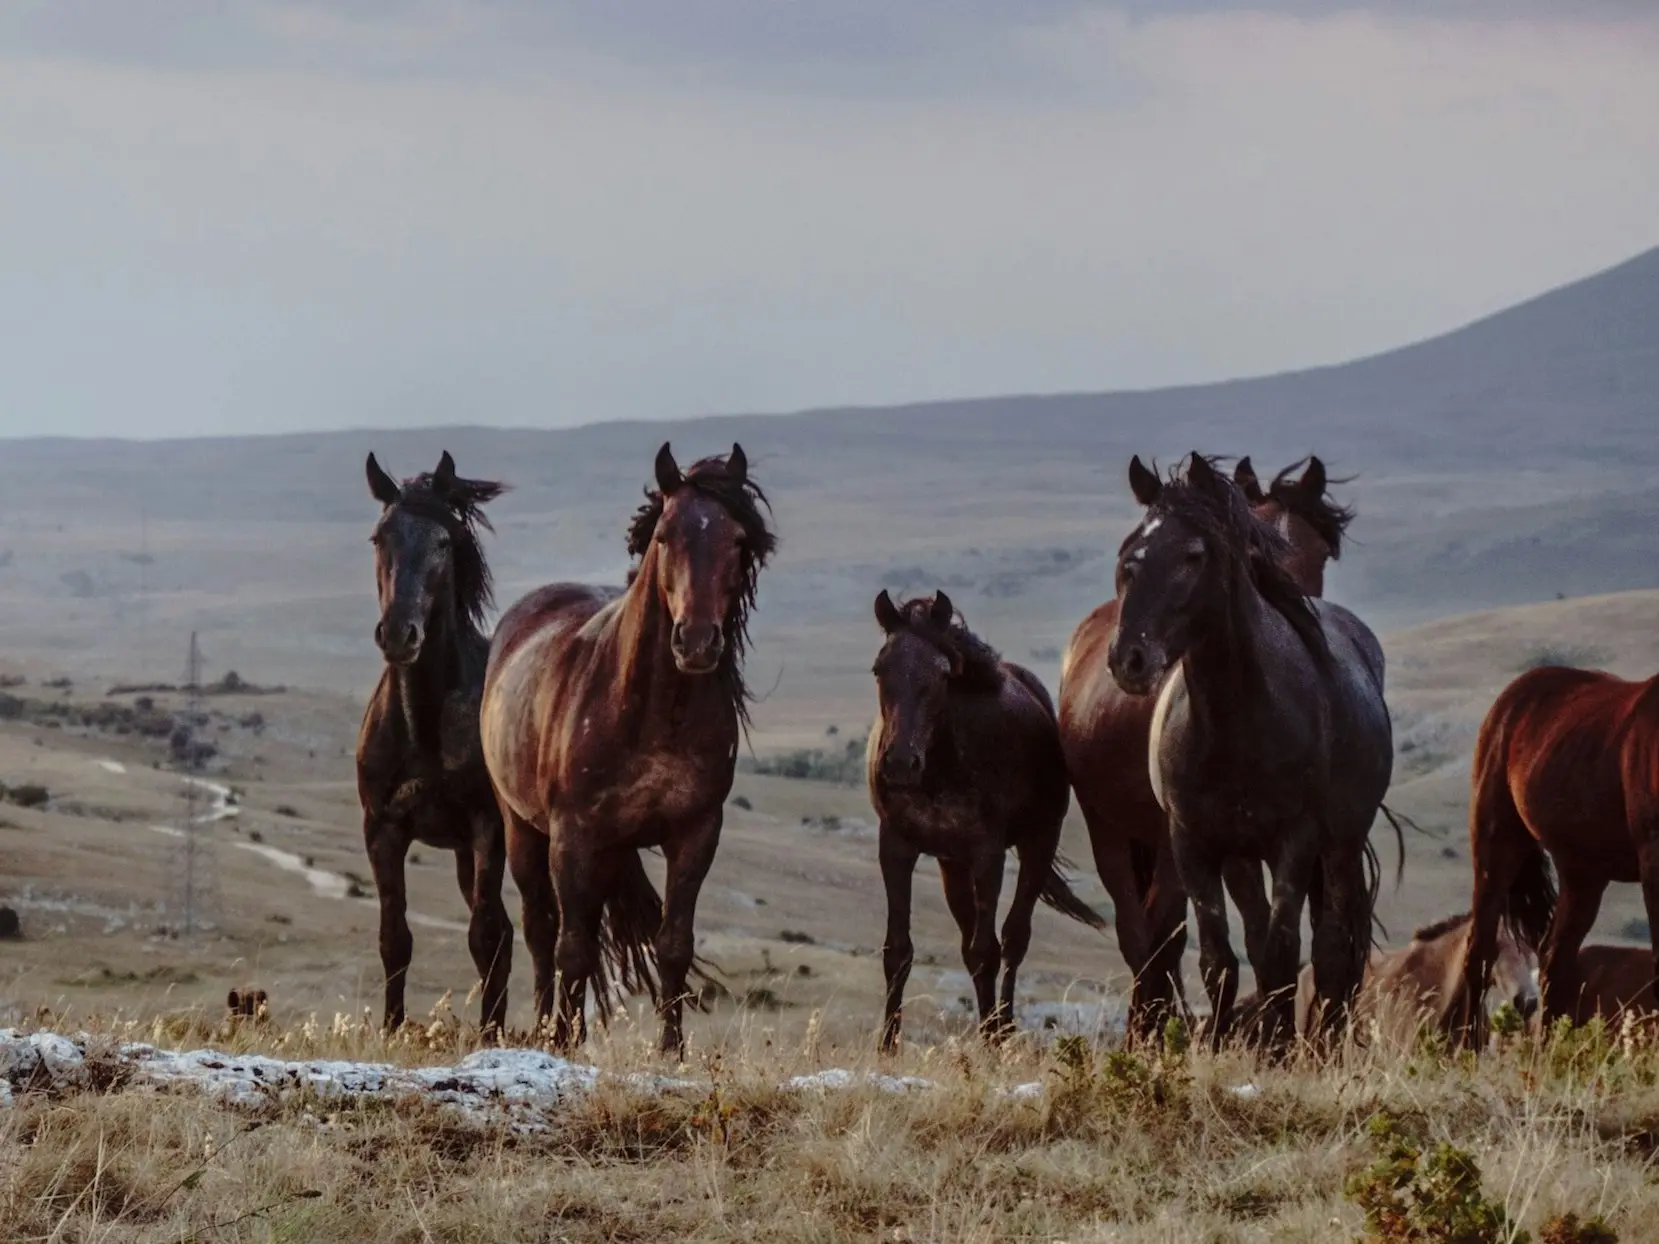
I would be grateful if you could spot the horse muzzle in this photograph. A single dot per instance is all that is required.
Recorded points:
(399, 642)
(1136, 665)
(697, 647)
(901, 767)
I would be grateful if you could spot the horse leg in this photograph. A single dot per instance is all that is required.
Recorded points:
(528, 856)
(1648, 854)
(1575, 913)
(1114, 863)
(489, 931)
(387, 847)
(958, 881)
(690, 855)
(986, 953)
(898, 866)
(1341, 938)
(1217, 964)
(1249, 894)
(1036, 862)
(1166, 907)
(579, 886)
(1281, 945)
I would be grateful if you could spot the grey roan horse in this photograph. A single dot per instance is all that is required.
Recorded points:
(420, 770)
(1270, 740)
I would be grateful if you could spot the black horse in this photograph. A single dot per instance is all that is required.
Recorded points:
(420, 769)
(964, 764)
(1270, 738)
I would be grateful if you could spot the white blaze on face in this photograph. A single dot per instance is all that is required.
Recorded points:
(1284, 524)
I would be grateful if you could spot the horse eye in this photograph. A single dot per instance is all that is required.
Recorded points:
(1195, 555)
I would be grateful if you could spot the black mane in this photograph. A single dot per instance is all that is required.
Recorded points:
(459, 508)
(1328, 519)
(748, 506)
(1224, 520)
(980, 664)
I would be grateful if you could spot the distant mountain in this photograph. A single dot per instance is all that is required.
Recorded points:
(1510, 460)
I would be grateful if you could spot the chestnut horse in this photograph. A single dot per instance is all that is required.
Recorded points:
(611, 720)
(1270, 739)
(1616, 981)
(420, 770)
(1566, 768)
(1414, 985)
(964, 763)
(1105, 731)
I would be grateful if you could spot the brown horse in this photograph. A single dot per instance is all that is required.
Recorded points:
(1104, 731)
(1270, 739)
(1566, 768)
(420, 772)
(964, 764)
(1616, 980)
(611, 720)
(1407, 988)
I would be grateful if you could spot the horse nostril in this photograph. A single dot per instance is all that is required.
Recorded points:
(677, 636)
(412, 636)
(1134, 661)
(379, 634)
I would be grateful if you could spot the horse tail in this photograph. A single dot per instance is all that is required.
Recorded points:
(1058, 894)
(1497, 830)
(1396, 819)
(628, 941)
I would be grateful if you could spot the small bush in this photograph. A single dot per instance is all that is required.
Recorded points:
(1637, 930)
(1415, 1197)
(1569, 1230)
(286, 809)
(814, 764)
(742, 801)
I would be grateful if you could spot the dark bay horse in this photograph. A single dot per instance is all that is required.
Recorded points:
(1105, 731)
(964, 764)
(1270, 739)
(611, 720)
(1566, 769)
(420, 770)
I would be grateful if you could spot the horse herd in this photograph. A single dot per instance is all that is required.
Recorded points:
(1215, 716)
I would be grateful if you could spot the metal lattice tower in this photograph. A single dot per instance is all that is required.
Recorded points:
(193, 878)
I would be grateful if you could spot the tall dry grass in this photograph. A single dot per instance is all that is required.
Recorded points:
(1166, 1146)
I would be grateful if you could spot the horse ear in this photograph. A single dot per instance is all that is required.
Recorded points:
(1313, 479)
(1143, 483)
(1244, 475)
(1200, 474)
(382, 486)
(668, 471)
(737, 465)
(943, 612)
(887, 613)
(444, 477)
(234, 1001)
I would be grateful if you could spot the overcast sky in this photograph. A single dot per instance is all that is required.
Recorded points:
(229, 215)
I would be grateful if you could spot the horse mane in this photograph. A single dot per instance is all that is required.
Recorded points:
(1328, 519)
(749, 507)
(1224, 519)
(459, 508)
(1440, 927)
(981, 664)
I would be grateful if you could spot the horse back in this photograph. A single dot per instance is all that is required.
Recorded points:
(1616, 979)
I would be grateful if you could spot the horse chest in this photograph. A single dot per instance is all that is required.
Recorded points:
(935, 823)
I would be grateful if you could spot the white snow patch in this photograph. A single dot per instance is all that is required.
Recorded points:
(518, 1086)
(1249, 1092)
(112, 766)
(329, 885)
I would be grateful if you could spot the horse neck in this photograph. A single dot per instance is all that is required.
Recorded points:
(1223, 667)
(650, 687)
(424, 685)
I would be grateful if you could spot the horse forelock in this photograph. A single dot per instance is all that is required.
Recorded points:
(980, 663)
(1328, 519)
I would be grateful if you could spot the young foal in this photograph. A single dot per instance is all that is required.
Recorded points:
(1416, 984)
(1566, 769)
(1105, 731)
(964, 763)
(611, 721)
(1270, 740)
(420, 773)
